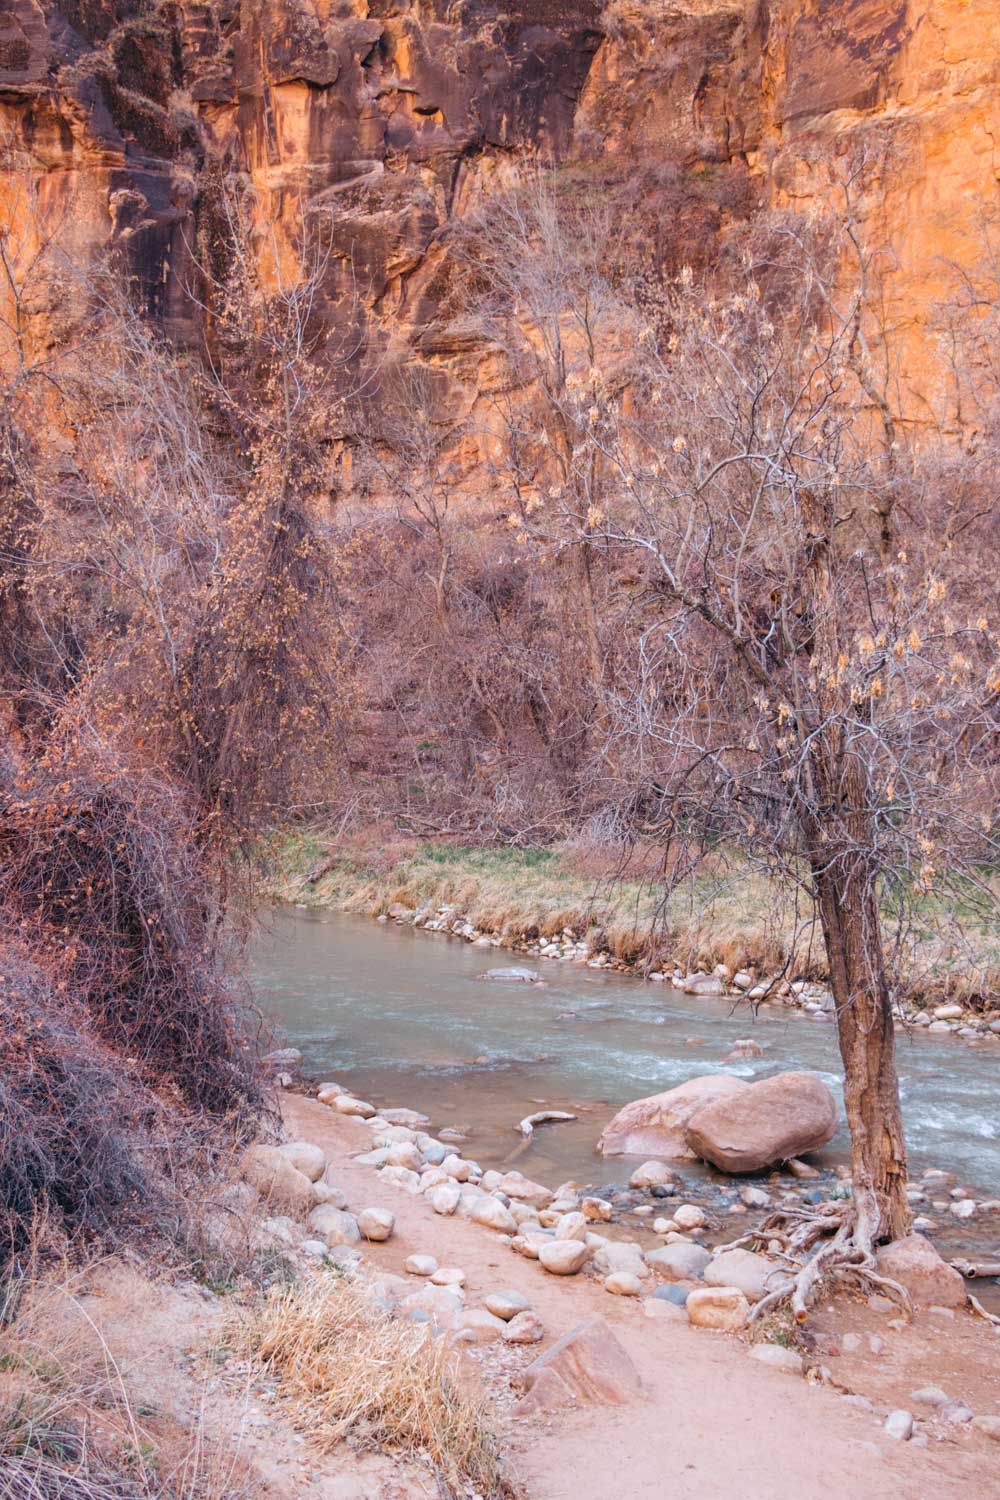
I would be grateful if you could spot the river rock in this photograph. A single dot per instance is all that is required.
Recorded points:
(524, 1328)
(282, 1229)
(376, 1223)
(376, 1158)
(327, 1092)
(563, 1257)
(899, 1425)
(917, 1266)
(764, 1123)
(457, 1167)
(755, 1275)
(277, 1180)
(667, 1312)
(435, 1302)
(421, 1265)
(405, 1154)
(283, 1057)
(445, 1198)
(689, 1216)
(703, 984)
(588, 1366)
(621, 1255)
(515, 974)
(778, 1358)
(597, 1210)
(411, 1117)
(346, 1104)
(723, 1308)
(524, 1190)
(623, 1284)
(491, 1213)
(652, 1174)
(309, 1159)
(655, 1125)
(401, 1177)
(325, 1192)
(392, 1135)
(478, 1327)
(333, 1226)
(571, 1226)
(679, 1262)
(988, 1426)
(506, 1305)
(452, 1276)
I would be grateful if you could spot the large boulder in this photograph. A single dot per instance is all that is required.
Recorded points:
(588, 1366)
(655, 1126)
(754, 1275)
(681, 1261)
(764, 1123)
(916, 1265)
(278, 1181)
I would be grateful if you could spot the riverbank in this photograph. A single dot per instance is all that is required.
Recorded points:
(368, 1344)
(739, 1401)
(731, 932)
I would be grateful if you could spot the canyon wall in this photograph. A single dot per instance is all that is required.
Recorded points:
(370, 127)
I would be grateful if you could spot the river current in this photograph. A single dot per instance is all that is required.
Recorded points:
(404, 1017)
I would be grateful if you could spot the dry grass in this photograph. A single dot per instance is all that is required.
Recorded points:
(71, 1426)
(346, 1368)
(727, 914)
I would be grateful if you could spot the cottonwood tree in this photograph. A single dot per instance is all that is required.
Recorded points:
(815, 677)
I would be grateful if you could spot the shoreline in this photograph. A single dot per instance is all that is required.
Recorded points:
(565, 919)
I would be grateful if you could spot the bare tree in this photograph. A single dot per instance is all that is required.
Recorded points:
(811, 685)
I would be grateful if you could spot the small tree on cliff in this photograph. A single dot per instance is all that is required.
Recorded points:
(815, 681)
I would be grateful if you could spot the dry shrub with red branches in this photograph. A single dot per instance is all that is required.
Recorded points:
(123, 1041)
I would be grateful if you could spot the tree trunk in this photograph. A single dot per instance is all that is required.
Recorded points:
(852, 933)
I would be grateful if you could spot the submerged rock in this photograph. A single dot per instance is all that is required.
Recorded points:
(515, 974)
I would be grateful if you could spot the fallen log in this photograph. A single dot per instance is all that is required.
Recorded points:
(543, 1117)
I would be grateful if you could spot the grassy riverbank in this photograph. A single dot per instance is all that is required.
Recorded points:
(726, 915)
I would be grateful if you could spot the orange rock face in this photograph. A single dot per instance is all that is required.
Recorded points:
(373, 126)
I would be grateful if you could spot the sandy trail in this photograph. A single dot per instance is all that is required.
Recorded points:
(715, 1425)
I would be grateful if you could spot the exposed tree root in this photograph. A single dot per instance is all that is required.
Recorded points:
(980, 1310)
(846, 1258)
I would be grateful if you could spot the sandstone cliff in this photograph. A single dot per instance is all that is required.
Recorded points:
(377, 124)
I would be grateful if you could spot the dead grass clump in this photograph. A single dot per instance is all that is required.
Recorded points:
(345, 1367)
(73, 1423)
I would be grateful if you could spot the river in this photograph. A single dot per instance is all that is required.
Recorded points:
(404, 1018)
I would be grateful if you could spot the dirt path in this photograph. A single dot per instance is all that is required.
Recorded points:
(714, 1425)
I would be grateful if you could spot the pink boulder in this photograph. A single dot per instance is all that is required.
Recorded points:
(655, 1126)
(917, 1266)
(764, 1123)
